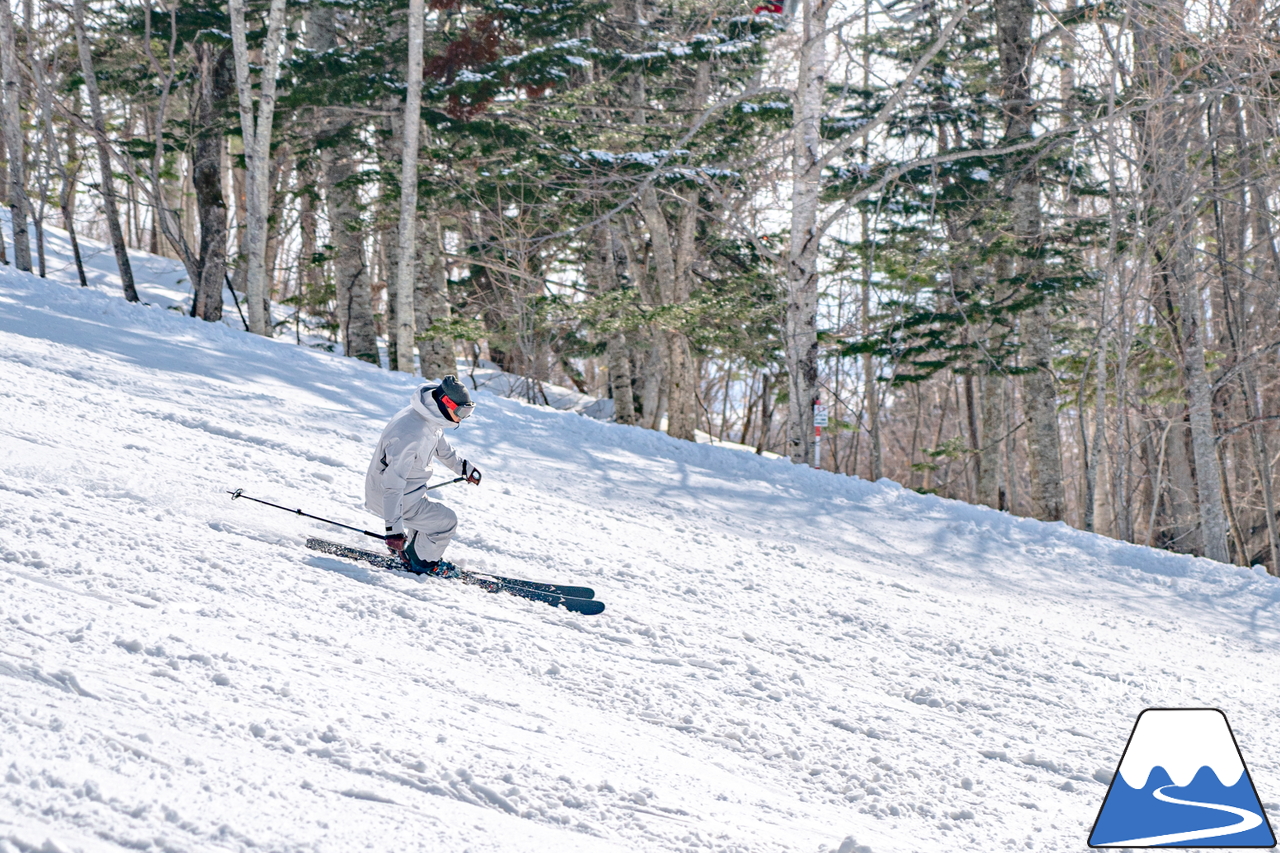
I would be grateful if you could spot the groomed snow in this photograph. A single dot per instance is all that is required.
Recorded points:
(791, 660)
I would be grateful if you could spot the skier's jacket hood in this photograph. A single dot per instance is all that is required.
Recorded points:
(401, 463)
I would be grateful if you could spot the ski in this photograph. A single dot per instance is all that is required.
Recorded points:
(386, 561)
(577, 599)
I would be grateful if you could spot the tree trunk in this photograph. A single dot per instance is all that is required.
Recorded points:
(1213, 519)
(256, 131)
(353, 292)
(353, 295)
(107, 184)
(682, 408)
(989, 453)
(651, 396)
(1016, 50)
(672, 345)
(388, 258)
(405, 255)
(1262, 469)
(11, 116)
(309, 281)
(611, 264)
(212, 88)
(1180, 513)
(801, 321)
(164, 220)
(66, 195)
(431, 304)
(871, 394)
(766, 414)
(1164, 132)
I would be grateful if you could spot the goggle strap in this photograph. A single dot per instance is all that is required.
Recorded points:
(454, 407)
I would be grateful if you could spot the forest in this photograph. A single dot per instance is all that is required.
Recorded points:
(1014, 253)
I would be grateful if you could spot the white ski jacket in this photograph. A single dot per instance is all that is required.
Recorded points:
(401, 465)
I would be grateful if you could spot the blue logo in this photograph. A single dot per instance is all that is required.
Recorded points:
(1182, 783)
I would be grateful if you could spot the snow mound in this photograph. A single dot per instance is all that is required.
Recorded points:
(790, 660)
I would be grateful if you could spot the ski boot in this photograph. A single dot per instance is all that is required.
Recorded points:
(436, 568)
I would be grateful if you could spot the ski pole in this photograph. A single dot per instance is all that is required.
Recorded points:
(239, 493)
(445, 483)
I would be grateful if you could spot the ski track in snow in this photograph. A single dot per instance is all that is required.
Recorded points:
(789, 658)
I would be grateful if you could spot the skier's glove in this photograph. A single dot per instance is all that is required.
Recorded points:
(396, 542)
(471, 472)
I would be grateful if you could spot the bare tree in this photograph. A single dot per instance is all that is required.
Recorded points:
(106, 176)
(67, 174)
(1016, 50)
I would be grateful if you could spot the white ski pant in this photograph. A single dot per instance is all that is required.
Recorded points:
(431, 524)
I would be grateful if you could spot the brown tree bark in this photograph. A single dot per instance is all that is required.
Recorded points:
(212, 88)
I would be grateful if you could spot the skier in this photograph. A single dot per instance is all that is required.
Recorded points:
(419, 530)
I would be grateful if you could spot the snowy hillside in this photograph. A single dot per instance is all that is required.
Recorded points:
(790, 660)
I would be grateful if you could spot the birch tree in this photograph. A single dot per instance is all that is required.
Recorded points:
(807, 164)
(406, 255)
(256, 131)
(811, 156)
(11, 125)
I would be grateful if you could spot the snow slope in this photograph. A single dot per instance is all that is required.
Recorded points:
(791, 660)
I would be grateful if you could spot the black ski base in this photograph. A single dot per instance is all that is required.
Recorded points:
(576, 599)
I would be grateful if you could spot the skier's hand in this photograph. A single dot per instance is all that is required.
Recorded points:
(396, 542)
(471, 472)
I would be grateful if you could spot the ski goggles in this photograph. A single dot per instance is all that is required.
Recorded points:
(461, 411)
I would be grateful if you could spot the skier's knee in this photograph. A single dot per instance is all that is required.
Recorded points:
(448, 521)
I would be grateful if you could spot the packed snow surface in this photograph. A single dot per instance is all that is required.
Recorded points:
(790, 659)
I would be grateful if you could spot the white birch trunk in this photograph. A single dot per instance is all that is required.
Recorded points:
(801, 326)
(11, 119)
(256, 131)
(404, 284)
(1093, 461)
